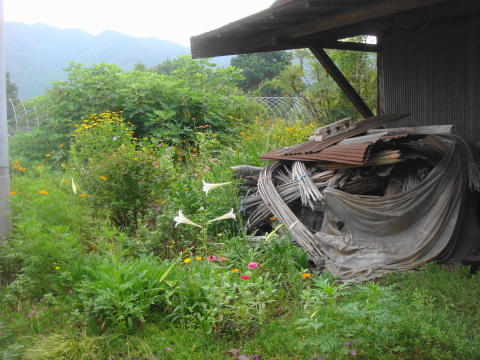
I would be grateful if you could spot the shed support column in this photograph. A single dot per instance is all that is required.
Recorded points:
(346, 87)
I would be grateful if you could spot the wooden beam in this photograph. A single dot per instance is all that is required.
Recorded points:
(346, 87)
(337, 3)
(419, 130)
(326, 44)
(378, 9)
(304, 14)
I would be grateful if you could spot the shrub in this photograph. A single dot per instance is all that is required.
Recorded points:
(119, 174)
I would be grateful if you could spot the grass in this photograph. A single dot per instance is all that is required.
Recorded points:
(75, 287)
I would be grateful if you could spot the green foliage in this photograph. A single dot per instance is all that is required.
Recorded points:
(322, 97)
(11, 93)
(260, 67)
(41, 145)
(118, 175)
(168, 107)
(50, 225)
(345, 318)
(208, 294)
(120, 291)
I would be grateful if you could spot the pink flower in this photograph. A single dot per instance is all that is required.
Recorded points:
(221, 259)
(155, 162)
(168, 349)
(245, 277)
(252, 265)
(70, 291)
(211, 258)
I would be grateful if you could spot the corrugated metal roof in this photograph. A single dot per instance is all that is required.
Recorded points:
(355, 153)
(359, 139)
(357, 128)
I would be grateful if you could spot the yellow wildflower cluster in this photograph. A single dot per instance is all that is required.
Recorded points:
(107, 117)
(279, 132)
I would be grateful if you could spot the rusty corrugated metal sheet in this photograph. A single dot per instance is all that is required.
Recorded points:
(350, 154)
(435, 75)
(357, 128)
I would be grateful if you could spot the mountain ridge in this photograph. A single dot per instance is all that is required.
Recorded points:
(37, 54)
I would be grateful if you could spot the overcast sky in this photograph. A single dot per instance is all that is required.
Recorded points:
(174, 20)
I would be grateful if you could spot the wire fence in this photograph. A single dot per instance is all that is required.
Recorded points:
(22, 117)
(291, 109)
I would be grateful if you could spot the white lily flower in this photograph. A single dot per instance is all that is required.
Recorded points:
(229, 215)
(180, 219)
(208, 187)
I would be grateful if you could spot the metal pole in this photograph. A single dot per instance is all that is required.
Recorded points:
(5, 220)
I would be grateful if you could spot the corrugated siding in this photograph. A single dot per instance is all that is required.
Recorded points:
(435, 75)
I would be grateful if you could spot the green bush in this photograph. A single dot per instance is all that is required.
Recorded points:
(119, 174)
(120, 291)
(169, 107)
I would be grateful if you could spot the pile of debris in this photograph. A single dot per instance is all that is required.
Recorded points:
(366, 201)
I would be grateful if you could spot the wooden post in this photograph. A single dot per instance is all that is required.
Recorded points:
(380, 81)
(344, 84)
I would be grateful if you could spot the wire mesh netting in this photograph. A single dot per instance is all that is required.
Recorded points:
(290, 109)
(21, 116)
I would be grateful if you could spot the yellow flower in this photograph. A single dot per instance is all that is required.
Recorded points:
(60, 145)
(235, 270)
(43, 192)
(57, 268)
(103, 178)
(187, 260)
(306, 275)
(198, 258)
(48, 155)
(17, 162)
(13, 192)
(83, 195)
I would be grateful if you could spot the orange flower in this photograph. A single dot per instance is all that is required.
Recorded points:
(13, 192)
(306, 275)
(39, 166)
(103, 178)
(43, 192)
(235, 270)
(273, 218)
(83, 195)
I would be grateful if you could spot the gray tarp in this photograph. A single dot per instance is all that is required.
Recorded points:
(401, 231)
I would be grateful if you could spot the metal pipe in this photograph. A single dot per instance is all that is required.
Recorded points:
(5, 220)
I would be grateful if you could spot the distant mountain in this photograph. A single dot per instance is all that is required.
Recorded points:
(37, 54)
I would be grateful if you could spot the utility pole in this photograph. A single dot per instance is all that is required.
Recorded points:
(5, 220)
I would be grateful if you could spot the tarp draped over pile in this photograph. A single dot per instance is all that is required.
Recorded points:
(364, 236)
(401, 231)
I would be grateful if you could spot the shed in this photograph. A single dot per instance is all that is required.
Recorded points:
(428, 51)
(428, 67)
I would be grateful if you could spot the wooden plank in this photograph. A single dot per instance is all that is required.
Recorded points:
(382, 8)
(326, 44)
(342, 82)
(337, 3)
(419, 130)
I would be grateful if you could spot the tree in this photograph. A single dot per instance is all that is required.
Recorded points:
(261, 67)
(168, 107)
(166, 67)
(12, 93)
(322, 97)
(139, 66)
